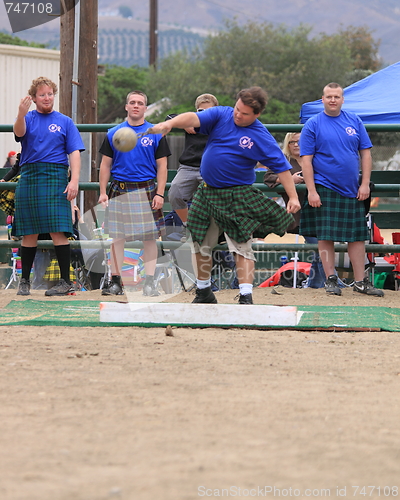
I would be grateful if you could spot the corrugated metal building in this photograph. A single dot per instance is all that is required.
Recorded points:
(18, 67)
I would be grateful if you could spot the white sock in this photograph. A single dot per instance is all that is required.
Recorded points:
(203, 283)
(245, 288)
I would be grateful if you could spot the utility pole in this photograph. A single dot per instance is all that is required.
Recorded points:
(153, 39)
(78, 72)
(67, 33)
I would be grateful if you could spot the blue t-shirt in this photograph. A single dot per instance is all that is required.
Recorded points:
(335, 142)
(138, 164)
(49, 138)
(232, 152)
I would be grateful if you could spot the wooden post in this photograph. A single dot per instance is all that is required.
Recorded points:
(67, 25)
(87, 72)
(87, 76)
(153, 35)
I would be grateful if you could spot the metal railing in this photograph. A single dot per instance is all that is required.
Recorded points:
(272, 127)
(265, 247)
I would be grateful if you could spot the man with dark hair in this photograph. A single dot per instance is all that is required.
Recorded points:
(331, 145)
(226, 202)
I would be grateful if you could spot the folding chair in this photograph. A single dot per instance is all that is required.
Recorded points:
(16, 267)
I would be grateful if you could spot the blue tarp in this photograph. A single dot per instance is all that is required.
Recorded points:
(375, 99)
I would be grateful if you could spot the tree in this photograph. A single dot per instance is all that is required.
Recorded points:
(8, 39)
(113, 88)
(291, 65)
(179, 76)
(280, 112)
(363, 48)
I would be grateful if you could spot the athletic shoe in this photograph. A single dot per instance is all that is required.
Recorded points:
(245, 299)
(204, 296)
(150, 290)
(62, 288)
(365, 286)
(24, 287)
(112, 288)
(331, 285)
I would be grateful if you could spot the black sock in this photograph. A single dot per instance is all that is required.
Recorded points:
(149, 279)
(27, 258)
(116, 278)
(63, 254)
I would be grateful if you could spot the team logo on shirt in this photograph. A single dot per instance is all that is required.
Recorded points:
(350, 131)
(146, 141)
(245, 142)
(54, 128)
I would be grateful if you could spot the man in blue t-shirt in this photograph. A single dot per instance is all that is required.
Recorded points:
(331, 145)
(135, 200)
(51, 145)
(227, 202)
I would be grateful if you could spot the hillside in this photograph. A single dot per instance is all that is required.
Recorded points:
(382, 16)
(183, 23)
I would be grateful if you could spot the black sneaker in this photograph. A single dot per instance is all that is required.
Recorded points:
(24, 287)
(365, 286)
(331, 285)
(150, 290)
(62, 288)
(204, 296)
(245, 299)
(112, 288)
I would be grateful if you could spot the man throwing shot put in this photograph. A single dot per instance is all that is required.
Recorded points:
(226, 202)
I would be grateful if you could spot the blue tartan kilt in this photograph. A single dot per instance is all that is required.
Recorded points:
(41, 206)
(337, 219)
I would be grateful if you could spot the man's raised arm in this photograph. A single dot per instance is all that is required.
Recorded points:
(183, 121)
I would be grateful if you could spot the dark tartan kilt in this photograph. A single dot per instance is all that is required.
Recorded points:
(129, 215)
(338, 219)
(41, 206)
(243, 212)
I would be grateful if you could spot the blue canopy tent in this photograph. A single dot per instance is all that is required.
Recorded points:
(375, 99)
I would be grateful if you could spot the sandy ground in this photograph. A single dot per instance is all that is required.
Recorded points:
(130, 413)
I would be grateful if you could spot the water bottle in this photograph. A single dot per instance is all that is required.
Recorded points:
(284, 260)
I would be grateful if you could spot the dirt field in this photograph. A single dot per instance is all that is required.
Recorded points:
(130, 413)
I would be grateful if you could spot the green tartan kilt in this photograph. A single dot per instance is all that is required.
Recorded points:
(41, 206)
(337, 219)
(242, 212)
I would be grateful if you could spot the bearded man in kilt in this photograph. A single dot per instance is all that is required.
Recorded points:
(331, 145)
(226, 202)
(50, 147)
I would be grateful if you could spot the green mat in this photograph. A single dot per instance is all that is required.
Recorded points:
(87, 313)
